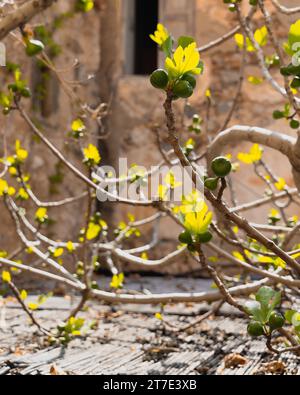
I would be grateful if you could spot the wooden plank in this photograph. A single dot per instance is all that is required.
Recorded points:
(122, 342)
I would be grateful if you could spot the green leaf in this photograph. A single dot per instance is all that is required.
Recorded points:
(201, 67)
(290, 70)
(296, 320)
(295, 83)
(268, 299)
(167, 46)
(254, 309)
(5, 100)
(84, 5)
(278, 114)
(289, 315)
(185, 41)
(294, 124)
(78, 324)
(287, 109)
(293, 38)
(34, 47)
(293, 318)
(272, 60)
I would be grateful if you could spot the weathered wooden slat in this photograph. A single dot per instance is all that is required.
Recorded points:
(134, 343)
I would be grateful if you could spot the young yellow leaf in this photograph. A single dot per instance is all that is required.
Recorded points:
(294, 91)
(171, 181)
(280, 263)
(131, 217)
(235, 230)
(208, 93)
(78, 125)
(93, 231)
(239, 39)
(3, 254)
(144, 255)
(6, 277)
(261, 36)
(41, 214)
(12, 171)
(280, 184)
(33, 306)
(159, 316)
(253, 156)
(238, 256)
(76, 333)
(5, 188)
(103, 224)
(160, 35)
(193, 202)
(198, 222)
(162, 191)
(58, 252)
(254, 80)
(117, 281)
(22, 194)
(294, 219)
(122, 226)
(91, 154)
(29, 250)
(265, 259)
(184, 61)
(256, 152)
(274, 213)
(291, 47)
(70, 246)
(23, 294)
(11, 191)
(190, 143)
(21, 153)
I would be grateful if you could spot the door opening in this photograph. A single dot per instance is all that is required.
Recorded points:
(141, 18)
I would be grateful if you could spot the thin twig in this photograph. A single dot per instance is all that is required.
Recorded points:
(215, 308)
(17, 294)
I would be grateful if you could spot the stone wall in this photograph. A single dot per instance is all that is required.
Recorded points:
(136, 106)
(139, 104)
(80, 39)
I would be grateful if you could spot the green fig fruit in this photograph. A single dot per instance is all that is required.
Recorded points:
(221, 166)
(159, 79)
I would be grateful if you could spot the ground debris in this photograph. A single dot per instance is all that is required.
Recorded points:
(55, 371)
(129, 341)
(234, 360)
(273, 367)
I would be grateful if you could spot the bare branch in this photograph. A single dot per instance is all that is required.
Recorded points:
(285, 10)
(225, 37)
(22, 15)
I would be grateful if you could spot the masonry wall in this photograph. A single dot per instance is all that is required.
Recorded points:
(136, 106)
(80, 39)
(139, 106)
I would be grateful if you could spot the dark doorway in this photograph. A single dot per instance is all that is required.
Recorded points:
(145, 53)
